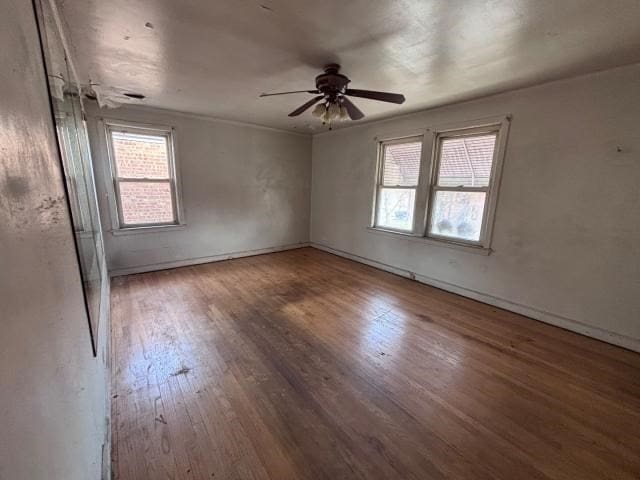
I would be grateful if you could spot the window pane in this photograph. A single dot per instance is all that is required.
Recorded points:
(146, 203)
(466, 161)
(401, 164)
(395, 208)
(458, 214)
(140, 156)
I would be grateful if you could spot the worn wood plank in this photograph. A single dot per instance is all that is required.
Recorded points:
(304, 365)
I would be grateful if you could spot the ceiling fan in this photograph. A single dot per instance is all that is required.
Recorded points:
(333, 92)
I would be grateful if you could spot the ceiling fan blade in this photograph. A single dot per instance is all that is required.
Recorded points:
(380, 96)
(353, 111)
(302, 108)
(287, 93)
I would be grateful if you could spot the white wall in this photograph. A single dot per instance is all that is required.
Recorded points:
(567, 231)
(53, 391)
(245, 188)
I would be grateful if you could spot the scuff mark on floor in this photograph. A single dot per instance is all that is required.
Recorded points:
(183, 371)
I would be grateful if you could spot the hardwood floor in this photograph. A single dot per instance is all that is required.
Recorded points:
(304, 365)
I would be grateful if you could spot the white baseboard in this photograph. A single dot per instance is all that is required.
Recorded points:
(532, 312)
(196, 261)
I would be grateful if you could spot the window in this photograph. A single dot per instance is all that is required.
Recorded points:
(397, 183)
(144, 175)
(460, 184)
(456, 201)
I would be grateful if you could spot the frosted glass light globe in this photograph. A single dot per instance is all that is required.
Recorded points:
(334, 111)
(319, 110)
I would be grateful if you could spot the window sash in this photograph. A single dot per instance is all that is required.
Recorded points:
(463, 133)
(112, 128)
(451, 238)
(437, 188)
(143, 180)
(393, 229)
(382, 159)
(398, 187)
(123, 224)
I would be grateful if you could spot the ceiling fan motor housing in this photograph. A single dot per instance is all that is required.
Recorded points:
(332, 83)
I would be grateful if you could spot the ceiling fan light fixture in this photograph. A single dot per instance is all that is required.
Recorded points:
(332, 101)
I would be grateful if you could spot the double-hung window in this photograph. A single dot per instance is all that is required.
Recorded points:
(144, 176)
(397, 186)
(459, 192)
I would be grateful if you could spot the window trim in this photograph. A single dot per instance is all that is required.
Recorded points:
(425, 193)
(112, 182)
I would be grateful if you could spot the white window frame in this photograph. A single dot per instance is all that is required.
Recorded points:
(417, 213)
(427, 186)
(113, 183)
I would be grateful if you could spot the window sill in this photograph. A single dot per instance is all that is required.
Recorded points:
(150, 229)
(478, 250)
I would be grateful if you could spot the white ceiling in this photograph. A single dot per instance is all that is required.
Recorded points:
(214, 57)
